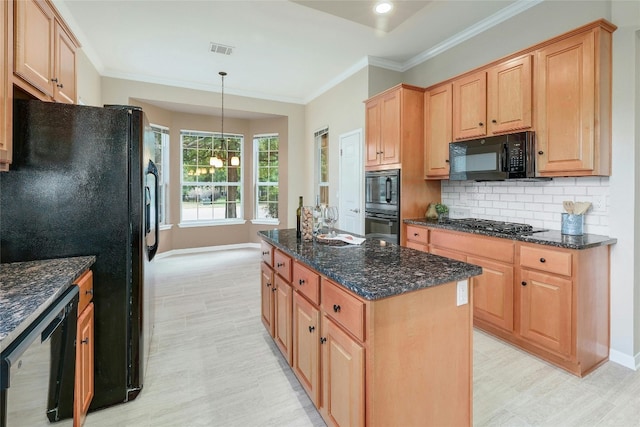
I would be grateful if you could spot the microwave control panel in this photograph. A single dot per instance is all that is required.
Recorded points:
(516, 156)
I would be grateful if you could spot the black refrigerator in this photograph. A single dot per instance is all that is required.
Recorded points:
(84, 182)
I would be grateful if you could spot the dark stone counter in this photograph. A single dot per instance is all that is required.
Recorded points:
(549, 238)
(28, 288)
(372, 270)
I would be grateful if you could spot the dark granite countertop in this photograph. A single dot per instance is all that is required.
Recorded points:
(28, 288)
(372, 270)
(549, 238)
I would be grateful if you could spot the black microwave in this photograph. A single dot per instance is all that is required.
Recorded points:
(495, 158)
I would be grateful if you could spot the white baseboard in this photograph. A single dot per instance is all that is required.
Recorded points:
(206, 249)
(625, 360)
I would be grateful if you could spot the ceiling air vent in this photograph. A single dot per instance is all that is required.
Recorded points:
(220, 48)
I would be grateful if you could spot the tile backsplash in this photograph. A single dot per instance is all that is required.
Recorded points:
(538, 203)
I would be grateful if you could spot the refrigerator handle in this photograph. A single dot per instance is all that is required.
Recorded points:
(151, 250)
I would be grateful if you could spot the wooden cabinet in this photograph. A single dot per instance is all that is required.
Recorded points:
(417, 238)
(493, 289)
(306, 346)
(282, 333)
(267, 297)
(343, 375)
(545, 311)
(470, 106)
(437, 131)
(393, 120)
(83, 389)
(494, 100)
(573, 104)
(44, 52)
(6, 89)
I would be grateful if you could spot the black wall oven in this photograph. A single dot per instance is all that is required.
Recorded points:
(382, 205)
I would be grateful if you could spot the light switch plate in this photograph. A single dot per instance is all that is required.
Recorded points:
(462, 292)
(457, 212)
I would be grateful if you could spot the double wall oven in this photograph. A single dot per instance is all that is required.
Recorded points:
(382, 205)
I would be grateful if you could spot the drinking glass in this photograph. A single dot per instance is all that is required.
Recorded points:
(331, 218)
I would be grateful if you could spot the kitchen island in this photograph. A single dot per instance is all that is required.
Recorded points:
(377, 334)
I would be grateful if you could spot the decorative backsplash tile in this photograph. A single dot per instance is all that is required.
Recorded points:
(538, 203)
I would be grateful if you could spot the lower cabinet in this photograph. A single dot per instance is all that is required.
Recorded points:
(342, 376)
(266, 294)
(83, 388)
(552, 302)
(282, 331)
(306, 346)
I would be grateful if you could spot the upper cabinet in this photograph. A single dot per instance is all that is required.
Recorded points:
(573, 103)
(437, 131)
(393, 120)
(45, 52)
(494, 100)
(6, 93)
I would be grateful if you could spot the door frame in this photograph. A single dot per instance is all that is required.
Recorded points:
(360, 166)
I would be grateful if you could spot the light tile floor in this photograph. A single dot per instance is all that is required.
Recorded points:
(213, 364)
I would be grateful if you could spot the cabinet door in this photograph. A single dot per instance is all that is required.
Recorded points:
(6, 91)
(390, 135)
(372, 132)
(65, 67)
(342, 376)
(282, 319)
(470, 106)
(34, 47)
(565, 105)
(545, 310)
(493, 293)
(437, 125)
(509, 100)
(266, 293)
(306, 346)
(83, 393)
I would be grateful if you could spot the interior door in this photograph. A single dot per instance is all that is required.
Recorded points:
(351, 185)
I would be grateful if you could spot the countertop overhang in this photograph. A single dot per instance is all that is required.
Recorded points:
(28, 288)
(372, 270)
(548, 238)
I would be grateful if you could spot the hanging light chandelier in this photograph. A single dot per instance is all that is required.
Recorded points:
(215, 161)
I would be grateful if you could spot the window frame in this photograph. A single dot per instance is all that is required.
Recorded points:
(164, 168)
(257, 184)
(239, 184)
(322, 186)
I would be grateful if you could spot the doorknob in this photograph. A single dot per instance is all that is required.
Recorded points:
(356, 210)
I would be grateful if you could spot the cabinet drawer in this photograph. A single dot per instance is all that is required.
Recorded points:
(282, 264)
(307, 282)
(418, 234)
(85, 283)
(343, 308)
(266, 253)
(486, 247)
(449, 254)
(557, 262)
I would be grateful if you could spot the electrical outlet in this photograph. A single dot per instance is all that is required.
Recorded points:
(462, 292)
(599, 203)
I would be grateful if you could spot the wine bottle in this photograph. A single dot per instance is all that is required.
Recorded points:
(298, 215)
(317, 216)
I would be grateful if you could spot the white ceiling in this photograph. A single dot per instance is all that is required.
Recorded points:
(282, 50)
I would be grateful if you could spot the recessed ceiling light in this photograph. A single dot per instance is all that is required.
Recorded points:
(383, 7)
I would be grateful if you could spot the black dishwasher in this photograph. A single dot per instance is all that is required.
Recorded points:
(37, 369)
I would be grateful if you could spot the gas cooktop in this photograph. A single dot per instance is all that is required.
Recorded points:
(488, 225)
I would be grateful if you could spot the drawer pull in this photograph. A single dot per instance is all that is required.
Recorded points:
(280, 264)
(85, 341)
(301, 282)
(268, 284)
(524, 283)
(323, 340)
(336, 308)
(265, 253)
(88, 292)
(543, 260)
(416, 234)
(274, 289)
(311, 329)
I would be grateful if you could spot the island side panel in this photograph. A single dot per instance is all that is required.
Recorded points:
(419, 352)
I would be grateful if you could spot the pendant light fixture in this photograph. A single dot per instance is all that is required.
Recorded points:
(215, 161)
